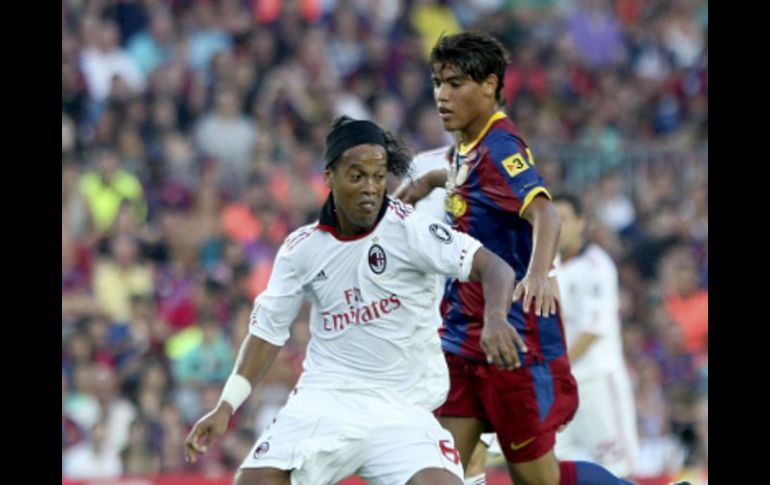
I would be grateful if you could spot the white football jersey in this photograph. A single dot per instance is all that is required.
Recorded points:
(424, 162)
(373, 297)
(433, 204)
(588, 284)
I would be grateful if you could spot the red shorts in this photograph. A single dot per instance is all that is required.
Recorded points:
(523, 406)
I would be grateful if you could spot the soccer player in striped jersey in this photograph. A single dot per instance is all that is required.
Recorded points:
(495, 194)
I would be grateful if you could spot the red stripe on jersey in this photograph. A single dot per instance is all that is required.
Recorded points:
(532, 335)
(472, 344)
(399, 213)
(292, 242)
(494, 186)
(470, 294)
(400, 209)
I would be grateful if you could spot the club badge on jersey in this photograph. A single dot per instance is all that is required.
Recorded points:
(377, 259)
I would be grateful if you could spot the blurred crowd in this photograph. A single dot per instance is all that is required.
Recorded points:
(192, 142)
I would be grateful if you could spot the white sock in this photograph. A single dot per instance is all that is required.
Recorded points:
(477, 480)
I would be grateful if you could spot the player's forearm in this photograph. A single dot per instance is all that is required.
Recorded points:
(253, 361)
(254, 358)
(497, 279)
(546, 227)
(581, 345)
(436, 178)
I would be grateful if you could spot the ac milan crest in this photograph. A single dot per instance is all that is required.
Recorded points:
(377, 259)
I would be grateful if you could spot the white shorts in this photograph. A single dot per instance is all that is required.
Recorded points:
(324, 436)
(604, 427)
(431, 390)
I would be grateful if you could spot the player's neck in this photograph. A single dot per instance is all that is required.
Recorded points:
(346, 228)
(474, 128)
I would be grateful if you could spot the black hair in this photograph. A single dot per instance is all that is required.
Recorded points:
(475, 54)
(399, 156)
(572, 200)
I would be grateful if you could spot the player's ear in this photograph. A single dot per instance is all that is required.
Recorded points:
(490, 85)
(328, 174)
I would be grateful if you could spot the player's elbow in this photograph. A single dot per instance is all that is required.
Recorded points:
(489, 267)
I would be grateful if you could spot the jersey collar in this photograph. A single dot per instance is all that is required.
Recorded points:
(464, 148)
(328, 220)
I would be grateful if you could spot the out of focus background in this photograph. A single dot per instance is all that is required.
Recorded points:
(192, 142)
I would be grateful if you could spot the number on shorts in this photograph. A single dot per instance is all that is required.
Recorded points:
(449, 452)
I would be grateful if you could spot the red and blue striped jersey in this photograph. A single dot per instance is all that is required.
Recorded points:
(492, 182)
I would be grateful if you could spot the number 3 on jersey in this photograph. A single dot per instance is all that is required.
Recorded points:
(515, 164)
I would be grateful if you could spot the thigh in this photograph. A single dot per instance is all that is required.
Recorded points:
(527, 405)
(543, 470)
(465, 433)
(262, 476)
(463, 413)
(435, 476)
(463, 400)
(316, 446)
(396, 454)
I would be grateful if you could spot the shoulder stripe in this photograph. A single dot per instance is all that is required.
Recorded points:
(399, 208)
(300, 235)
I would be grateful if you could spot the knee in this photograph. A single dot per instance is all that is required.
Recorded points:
(434, 476)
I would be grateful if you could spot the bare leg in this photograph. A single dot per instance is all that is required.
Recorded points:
(541, 471)
(261, 476)
(434, 476)
(478, 462)
(465, 432)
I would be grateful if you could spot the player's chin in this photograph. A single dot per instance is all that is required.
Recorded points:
(449, 124)
(365, 220)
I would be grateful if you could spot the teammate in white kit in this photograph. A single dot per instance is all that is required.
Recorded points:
(433, 204)
(360, 406)
(604, 427)
(436, 377)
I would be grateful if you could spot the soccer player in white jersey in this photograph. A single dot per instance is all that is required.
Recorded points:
(366, 265)
(435, 380)
(433, 204)
(604, 427)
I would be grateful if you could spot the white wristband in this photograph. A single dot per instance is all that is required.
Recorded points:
(236, 390)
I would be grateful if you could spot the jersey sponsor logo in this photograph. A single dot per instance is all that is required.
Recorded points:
(515, 164)
(441, 233)
(456, 205)
(360, 312)
(521, 445)
(449, 451)
(261, 449)
(377, 259)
